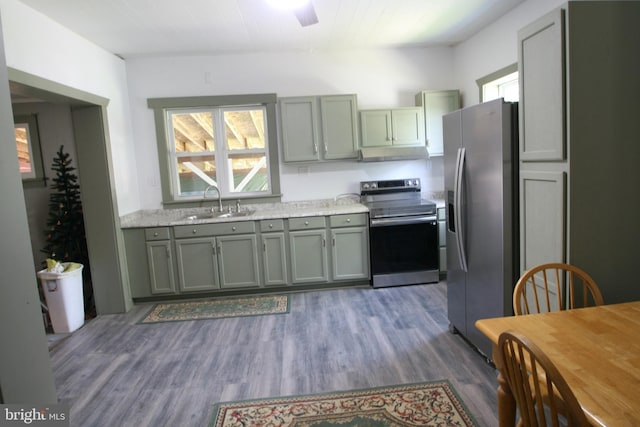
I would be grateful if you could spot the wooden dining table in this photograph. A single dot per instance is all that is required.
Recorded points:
(596, 349)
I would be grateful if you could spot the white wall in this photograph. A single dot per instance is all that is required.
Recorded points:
(37, 45)
(495, 47)
(380, 78)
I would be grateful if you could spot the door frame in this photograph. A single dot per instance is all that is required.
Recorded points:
(93, 148)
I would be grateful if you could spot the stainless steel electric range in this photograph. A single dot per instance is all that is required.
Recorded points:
(403, 233)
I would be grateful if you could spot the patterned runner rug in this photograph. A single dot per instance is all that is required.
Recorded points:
(215, 309)
(425, 404)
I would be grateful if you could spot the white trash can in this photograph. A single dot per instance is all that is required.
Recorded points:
(64, 296)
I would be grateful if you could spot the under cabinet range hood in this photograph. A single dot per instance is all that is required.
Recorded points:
(382, 154)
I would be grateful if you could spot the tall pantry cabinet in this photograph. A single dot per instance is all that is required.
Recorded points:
(580, 142)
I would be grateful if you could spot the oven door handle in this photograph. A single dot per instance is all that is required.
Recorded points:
(382, 222)
(458, 216)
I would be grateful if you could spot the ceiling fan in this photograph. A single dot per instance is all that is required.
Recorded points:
(303, 9)
(306, 14)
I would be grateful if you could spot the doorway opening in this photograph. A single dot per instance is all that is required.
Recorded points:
(49, 130)
(80, 119)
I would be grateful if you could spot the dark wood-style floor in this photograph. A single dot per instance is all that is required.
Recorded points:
(116, 372)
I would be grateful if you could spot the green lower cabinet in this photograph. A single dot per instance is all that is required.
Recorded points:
(197, 264)
(160, 260)
(350, 253)
(238, 261)
(274, 259)
(223, 262)
(272, 253)
(309, 256)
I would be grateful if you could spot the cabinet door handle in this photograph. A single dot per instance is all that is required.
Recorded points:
(326, 149)
(168, 252)
(155, 234)
(213, 247)
(270, 225)
(315, 148)
(233, 228)
(194, 231)
(348, 220)
(264, 246)
(306, 223)
(324, 242)
(333, 241)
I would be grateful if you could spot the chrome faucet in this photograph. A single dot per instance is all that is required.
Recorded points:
(204, 197)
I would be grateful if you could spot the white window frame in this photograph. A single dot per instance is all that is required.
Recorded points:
(496, 81)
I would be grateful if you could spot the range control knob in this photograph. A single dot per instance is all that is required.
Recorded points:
(374, 185)
(365, 186)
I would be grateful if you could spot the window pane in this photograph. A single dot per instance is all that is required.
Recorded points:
(244, 129)
(193, 132)
(23, 145)
(510, 91)
(504, 87)
(195, 174)
(249, 172)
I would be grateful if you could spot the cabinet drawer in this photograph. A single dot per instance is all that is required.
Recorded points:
(348, 220)
(157, 233)
(306, 223)
(242, 227)
(267, 225)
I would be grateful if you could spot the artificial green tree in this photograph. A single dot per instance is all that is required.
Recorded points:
(65, 232)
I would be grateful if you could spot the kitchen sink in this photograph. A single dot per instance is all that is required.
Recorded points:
(213, 215)
(233, 214)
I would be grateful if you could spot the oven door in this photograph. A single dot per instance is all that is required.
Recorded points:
(404, 250)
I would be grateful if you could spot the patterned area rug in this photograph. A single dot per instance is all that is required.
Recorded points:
(215, 309)
(425, 404)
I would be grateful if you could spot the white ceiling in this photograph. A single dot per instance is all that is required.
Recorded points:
(133, 28)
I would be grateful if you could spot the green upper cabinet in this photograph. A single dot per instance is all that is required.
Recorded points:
(299, 125)
(398, 127)
(436, 103)
(339, 120)
(318, 128)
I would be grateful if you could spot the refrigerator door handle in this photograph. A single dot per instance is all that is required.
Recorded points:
(462, 254)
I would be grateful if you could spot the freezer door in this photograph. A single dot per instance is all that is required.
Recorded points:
(456, 277)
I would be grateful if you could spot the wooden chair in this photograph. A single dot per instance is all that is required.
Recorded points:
(522, 363)
(542, 289)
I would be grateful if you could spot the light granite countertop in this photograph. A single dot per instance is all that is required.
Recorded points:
(170, 217)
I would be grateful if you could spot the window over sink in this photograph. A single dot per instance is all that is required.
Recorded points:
(229, 142)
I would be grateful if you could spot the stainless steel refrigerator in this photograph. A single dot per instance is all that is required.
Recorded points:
(481, 184)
